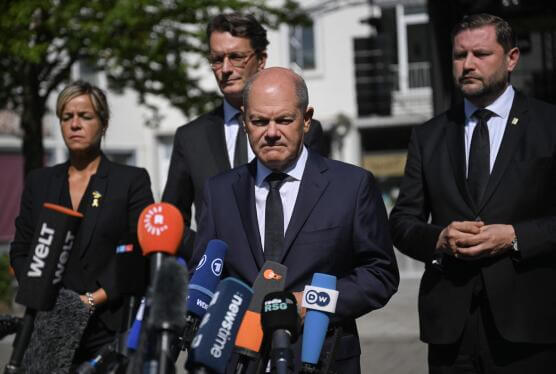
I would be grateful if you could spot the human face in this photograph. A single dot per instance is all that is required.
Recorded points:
(81, 126)
(276, 125)
(480, 66)
(232, 79)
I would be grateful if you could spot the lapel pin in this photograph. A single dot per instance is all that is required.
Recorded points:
(96, 197)
(515, 120)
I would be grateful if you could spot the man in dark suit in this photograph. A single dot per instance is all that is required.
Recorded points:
(296, 207)
(477, 206)
(215, 141)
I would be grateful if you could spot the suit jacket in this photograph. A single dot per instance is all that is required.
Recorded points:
(125, 192)
(521, 289)
(199, 153)
(338, 226)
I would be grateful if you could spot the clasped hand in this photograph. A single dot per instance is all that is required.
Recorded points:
(473, 239)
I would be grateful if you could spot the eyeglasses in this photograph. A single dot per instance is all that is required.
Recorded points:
(237, 59)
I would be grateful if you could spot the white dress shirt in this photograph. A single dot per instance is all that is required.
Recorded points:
(496, 124)
(231, 128)
(288, 190)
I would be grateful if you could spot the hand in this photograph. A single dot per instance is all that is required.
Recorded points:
(300, 310)
(456, 232)
(491, 241)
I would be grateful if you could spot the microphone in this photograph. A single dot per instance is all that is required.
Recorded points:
(201, 288)
(159, 231)
(280, 323)
(40, 283)
(271, 278)
(9, 325)
(106, 361)
(320, 300)
(212, 346)
(167, 315)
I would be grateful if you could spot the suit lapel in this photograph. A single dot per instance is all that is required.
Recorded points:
(456, 150)
(217, 139)
(513, 134)
(244, 191)
(97, 187)
(313, 184)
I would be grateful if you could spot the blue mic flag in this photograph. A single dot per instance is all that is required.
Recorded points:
(213, 345)
(316, 323)
(206, 277)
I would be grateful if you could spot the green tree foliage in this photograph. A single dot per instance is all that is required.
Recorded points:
(150, 46)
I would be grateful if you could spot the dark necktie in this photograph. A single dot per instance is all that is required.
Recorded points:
(240, 153)
(274, 219)
(479, 156)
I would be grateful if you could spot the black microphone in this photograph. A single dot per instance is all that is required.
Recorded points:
(108, 360)
(280, 323)
(212, 346)
(271, 278)
(167, 315)
(9, 325)
(40, 283)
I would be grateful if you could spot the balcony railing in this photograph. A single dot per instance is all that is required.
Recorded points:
(418, 75)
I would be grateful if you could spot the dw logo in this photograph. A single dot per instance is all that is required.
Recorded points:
(320, 298)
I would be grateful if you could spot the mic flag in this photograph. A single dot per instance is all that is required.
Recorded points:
(320, 300)
(281, 327)
(271, 278)
(212, 347)
(206, 277)
(49, 254)
(160, 229)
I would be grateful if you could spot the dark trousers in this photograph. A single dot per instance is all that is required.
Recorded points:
(481, 349)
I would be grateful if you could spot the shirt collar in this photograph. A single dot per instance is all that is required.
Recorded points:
(294, 171)
(229, 112)
(500, 107)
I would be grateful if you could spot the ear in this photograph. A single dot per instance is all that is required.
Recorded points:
(512, 58)
(261, 61)
(307, 117)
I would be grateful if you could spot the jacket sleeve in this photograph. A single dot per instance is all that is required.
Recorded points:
(24, 228)
(374, 277)
(411, 232)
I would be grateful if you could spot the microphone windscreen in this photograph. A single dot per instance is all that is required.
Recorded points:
(316, 321)
(206, 277)
(168, 297)
(212, 347)
(271, 278)
(9, 325)
(280, 313)
(49, 254)
(160, 229)
(56, 335)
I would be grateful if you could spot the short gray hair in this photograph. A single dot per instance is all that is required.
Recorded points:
(301, 91)
(97, 96)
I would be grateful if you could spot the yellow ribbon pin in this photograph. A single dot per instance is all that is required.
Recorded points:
(96, 197)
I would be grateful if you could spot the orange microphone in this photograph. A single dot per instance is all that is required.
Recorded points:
(159, 231)
(249, 339)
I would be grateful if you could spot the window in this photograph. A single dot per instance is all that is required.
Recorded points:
(302, 47)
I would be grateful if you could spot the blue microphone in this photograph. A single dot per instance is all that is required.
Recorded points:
(135, 330)
(214, 342)
(320, 300)
(201, 288)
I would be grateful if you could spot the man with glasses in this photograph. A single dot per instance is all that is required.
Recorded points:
(215, 141)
